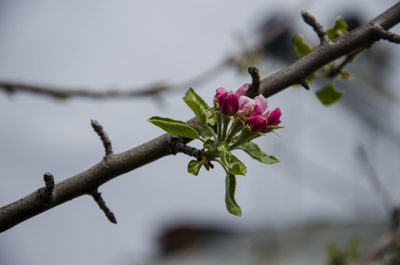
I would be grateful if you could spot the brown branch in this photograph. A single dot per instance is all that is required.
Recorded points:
(362, 37)
(102, 204)
(386, 35)
(317, 27)
(104, 138)
(118, 164)
(60, 93)
(254, 88)
(177, 145)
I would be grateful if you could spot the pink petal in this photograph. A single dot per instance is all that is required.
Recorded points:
(247, 104)
(243, 89)
(274, 117)
(257, 123)
(220, 91)
(261, 105)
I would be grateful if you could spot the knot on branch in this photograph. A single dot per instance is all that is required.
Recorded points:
(317, 27)
(176, 145)
(46, 193)
(102, 204)
(103, 137)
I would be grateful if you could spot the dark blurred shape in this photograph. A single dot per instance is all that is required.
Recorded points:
(280, 46)
(395, 218)
(353, 19)
(188, 237)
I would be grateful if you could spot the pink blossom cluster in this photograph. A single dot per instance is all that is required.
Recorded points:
(252, 110)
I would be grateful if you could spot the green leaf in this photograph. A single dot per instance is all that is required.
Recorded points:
(328, 95)
(175, 127)
(255, 152)
(231, 162)
(196, 104)
(194, 166)
(202, 130)
(230, 187)
(210, 117)
(209, 144)
(301, 48)
(338, 30)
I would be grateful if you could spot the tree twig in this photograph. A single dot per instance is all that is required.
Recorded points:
(103, 137)
(102, 204)
(254, 88)
(118, 164)
(317, 27)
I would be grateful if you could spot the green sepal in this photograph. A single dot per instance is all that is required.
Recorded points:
(231, 162)
(175, 127)
(196, 104)
(338, 30)
(300, 46)
(255, 152)
(230, 202)
(328, 95)
(194, 166)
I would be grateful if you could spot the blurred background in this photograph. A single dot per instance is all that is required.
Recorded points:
(338, 175)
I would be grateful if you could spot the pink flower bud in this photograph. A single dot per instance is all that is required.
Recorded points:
(257, 123)
(274, 117)
(229, 103)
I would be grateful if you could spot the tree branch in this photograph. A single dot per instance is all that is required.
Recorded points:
(118, 164)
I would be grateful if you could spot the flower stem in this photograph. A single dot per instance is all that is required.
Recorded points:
(235, 128)
(225, 123)
(219, 124)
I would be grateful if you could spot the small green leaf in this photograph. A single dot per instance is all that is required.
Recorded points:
(338, 30)
(231, 162)
(329, 95)
(196, 104)
(301, 48)
(202, 130)
(230, 187)
(194, 166)
(210, 117)
(255, 152)
(175, 127)
(209, 144)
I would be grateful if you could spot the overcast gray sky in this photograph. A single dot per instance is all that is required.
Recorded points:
(103, 44)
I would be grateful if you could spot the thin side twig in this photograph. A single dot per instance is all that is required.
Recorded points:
(102, 204)
(104, 138)
(386, 199)
(317, 27)
(178, 146)
(254, 88)
(386, 35)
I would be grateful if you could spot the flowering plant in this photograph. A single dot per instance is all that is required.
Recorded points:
(232, 123)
